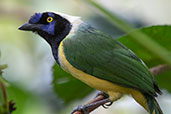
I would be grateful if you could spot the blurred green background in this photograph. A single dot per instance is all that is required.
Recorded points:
(30, 61)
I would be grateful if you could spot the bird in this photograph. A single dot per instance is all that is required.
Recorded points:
(96, 59)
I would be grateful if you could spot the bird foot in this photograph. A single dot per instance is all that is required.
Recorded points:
(105, 96)
(107, 105)
(86, 109)
(102, 93)
(81, 108)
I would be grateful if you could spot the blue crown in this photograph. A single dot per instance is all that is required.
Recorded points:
(35, 18)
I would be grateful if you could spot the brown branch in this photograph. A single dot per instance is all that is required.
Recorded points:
(4, 93)
(160, 69)
(99, 98)
(154, 70)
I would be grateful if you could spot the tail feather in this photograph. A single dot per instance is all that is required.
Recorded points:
(153, 106)
(156, 87)
(147, 101)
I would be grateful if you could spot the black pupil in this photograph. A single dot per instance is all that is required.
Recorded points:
(49, 19)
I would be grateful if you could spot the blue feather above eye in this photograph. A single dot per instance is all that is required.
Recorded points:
(35, 18)
(51, 15)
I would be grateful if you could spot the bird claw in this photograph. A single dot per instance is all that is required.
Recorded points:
(81, 108)
(105, 96)
(102, 93)
(86, 109)
(106, 106)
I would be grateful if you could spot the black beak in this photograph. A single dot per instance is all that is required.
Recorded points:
(30, 27)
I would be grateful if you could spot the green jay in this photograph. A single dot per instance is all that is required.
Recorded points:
(96, 59)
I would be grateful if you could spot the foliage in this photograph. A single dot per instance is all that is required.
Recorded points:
(160, 34)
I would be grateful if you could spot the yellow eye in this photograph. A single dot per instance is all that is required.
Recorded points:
(49, 19)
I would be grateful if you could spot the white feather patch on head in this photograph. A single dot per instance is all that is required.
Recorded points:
(69, 17)
(74, 20)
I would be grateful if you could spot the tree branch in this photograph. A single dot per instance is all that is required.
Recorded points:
(154, 70)
(160, 69)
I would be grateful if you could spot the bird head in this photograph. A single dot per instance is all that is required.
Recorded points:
(51, 26)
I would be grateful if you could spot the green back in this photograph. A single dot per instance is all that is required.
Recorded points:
(101, 56)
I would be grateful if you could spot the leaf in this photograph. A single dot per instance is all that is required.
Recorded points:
(164, 80)
(67, 87)
(161, 35)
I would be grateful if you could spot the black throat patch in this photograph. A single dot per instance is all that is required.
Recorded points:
(62, 29)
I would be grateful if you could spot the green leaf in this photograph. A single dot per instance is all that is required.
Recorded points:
(161, 35)
(164, 80)
(67, 87)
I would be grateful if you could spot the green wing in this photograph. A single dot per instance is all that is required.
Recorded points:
(103, 57)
